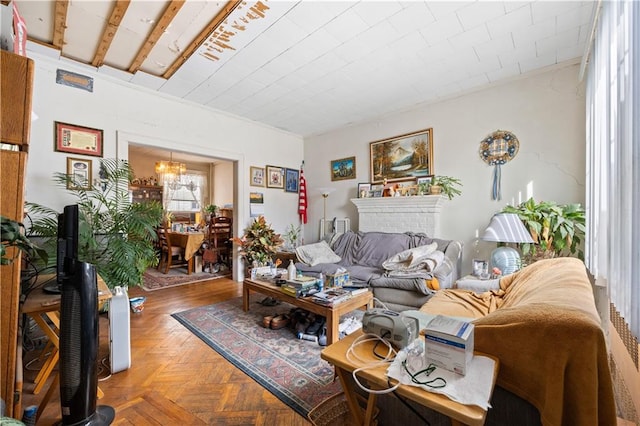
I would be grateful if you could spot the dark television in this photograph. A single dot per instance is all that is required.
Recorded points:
(79, 331)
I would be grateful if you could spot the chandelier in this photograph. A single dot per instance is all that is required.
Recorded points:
(170, 168)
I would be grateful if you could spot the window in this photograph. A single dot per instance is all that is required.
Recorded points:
(184, 194)
(613, 149)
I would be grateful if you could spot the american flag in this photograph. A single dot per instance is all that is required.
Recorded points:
(302, 198)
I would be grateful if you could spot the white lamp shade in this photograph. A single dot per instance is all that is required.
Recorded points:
(507, 228)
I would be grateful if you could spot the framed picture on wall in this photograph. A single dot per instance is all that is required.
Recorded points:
(79, 173)
(78, 140)
(344, 168)
(402, 157)
(275, 177)
(256, 176)
(291, 179)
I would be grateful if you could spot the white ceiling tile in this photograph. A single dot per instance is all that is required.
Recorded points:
(346, 26)
(374, 12)
(477, 35)
(575, 17)
(494, 47)
(550, 45)
(444, 28)
(534, 32)
(477, 13)
(543, 10)
(517, 18)
(411, 18)
(310, 15)
(312, 66)
(442, 9)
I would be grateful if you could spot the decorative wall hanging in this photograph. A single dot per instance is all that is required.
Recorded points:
(497, 149)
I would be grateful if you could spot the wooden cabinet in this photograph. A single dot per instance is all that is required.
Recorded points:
(145, 193)
(16, 81)
(16, 86)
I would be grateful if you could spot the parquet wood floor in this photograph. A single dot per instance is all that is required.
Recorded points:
(175, 378)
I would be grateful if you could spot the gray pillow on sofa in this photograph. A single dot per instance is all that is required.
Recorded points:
(313, 254)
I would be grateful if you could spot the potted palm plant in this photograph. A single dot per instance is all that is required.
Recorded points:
(446, 185)
(556, 229)
(115, 235)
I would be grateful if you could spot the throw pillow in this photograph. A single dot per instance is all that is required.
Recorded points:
(313, 254)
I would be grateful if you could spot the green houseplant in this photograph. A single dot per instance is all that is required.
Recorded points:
(12, 234)
(292, 235)
(211, 209)
(115, 235)
(557, 230)
(259, 242)
(446, 185)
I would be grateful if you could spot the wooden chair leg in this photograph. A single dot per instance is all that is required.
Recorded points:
(168, 263)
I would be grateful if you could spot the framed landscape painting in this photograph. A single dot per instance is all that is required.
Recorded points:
(402, 157)
(342, 169)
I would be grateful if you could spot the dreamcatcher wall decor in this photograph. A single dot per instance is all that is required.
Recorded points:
(497, 149)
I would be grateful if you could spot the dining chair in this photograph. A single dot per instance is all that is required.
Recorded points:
(219, 240)
(169, 253)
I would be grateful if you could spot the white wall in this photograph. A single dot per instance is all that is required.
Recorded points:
(545, 111)
(128, 114)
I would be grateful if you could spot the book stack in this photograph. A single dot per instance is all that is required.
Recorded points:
(331, 296)
(300, 286)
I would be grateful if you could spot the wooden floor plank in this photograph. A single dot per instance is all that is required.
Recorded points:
(175, 378)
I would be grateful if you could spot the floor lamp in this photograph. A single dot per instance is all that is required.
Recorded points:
(325, 194)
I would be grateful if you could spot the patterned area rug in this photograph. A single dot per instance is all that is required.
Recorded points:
(289, 368)
(156, 280)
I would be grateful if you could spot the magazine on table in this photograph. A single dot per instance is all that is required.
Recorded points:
(331, 296)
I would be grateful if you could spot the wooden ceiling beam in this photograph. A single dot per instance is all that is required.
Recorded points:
(163, 23)
(60, 23)
(117, 14)
(202, 37)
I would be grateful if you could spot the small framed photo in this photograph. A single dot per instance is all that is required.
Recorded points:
(424, 180)
(78, 140)
(376, 193)
(291, 178)
(363, 190)
(257, 176)
(275, 177)
(481, 269)
(344, 168)
(78, 173)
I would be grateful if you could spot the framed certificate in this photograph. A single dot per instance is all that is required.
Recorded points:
(78, 140)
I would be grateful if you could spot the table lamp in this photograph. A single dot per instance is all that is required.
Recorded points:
(506, 228)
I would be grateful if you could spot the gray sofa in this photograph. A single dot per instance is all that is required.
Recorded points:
(362, 254)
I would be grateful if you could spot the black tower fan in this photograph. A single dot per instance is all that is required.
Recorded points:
(79, 337)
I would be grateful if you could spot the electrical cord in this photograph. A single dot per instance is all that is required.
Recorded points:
(409, 406)
(388, 358)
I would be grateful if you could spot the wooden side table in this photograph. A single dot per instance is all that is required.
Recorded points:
(285, 257)
(336, 354)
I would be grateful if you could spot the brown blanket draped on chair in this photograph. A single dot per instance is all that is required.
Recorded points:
(544, 327)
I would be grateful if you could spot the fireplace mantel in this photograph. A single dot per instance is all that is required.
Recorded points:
(400, 214)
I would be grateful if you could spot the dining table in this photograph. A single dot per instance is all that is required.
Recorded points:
(190, 242)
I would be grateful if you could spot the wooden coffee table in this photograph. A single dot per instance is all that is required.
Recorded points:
(331, 313)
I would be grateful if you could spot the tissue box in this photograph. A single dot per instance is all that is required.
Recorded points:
(449, 343)
(338, 279)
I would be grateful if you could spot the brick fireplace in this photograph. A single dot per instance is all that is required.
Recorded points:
(400, 214)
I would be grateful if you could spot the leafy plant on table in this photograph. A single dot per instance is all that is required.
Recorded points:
(12, 235)
(259, 242)
(556, 229)
(115, 235)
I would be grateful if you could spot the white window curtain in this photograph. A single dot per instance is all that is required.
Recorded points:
(184, 193)
(613, 158)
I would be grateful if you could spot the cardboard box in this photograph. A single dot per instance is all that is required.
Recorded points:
(449, 343)
(336, 280)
